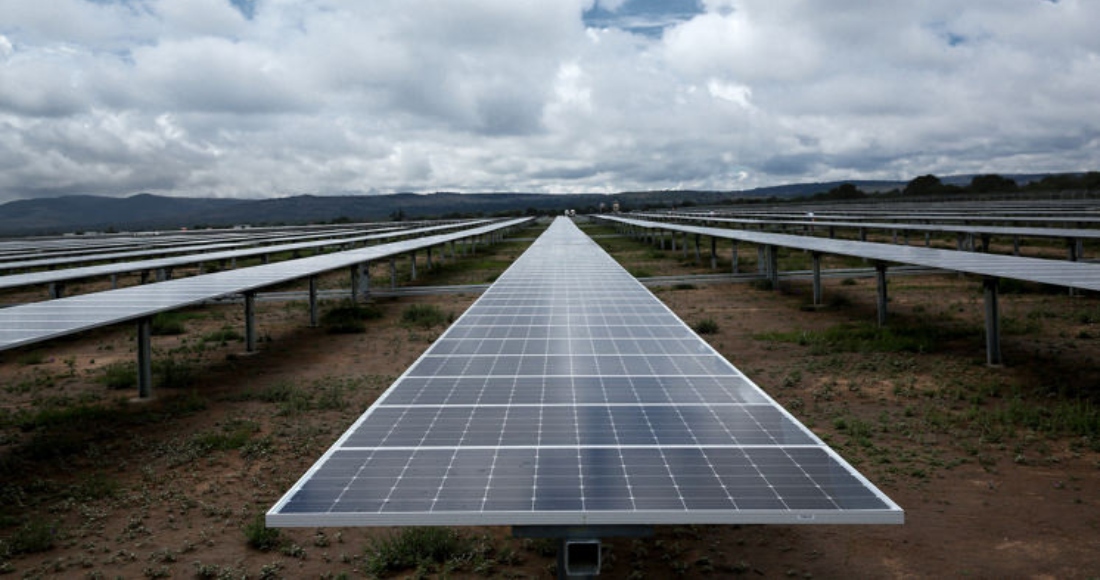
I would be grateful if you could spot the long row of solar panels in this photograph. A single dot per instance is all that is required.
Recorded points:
(1080, 275)
(569, 395)
(53, 276)
(34, 322)
(68, 258)
(823, 225)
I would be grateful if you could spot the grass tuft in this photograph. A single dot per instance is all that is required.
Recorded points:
(348, 318)
(425, 547)
(425, 316)
(259, 536)
(169, 324)
(706, 326)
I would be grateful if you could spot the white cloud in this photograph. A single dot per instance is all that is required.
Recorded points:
(315, 96)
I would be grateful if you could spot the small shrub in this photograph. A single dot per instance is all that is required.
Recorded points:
(414, 547)
(31, 538)
(119, 375)
(234, 435)
(684, 286)
(348, 318)
(223, 336)
(259, 536)
(168, 324)
(424, 316)
(706, 326)
(172, 374)
(32, 358)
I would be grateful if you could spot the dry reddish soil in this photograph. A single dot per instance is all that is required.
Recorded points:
(998, 469)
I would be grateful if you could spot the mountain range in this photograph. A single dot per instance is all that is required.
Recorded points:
(85, 213)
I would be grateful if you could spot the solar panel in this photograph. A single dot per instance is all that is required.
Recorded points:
(28, 323)
(1081, 275)
(569, 395)
(49, 276)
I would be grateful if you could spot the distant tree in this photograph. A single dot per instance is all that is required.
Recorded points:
(342, 220)
(842, 191)
(1091, 180)
(991, 183)
(397, 215)
(924, 185)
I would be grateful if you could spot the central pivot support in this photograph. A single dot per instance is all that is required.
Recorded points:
(579, 546)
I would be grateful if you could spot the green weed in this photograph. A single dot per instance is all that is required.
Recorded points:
(259, 536)
(120, 375)
(425, 316)
(705, 326)
(31, 538)
(425, 548)
(866, 337)
(32, 358)
(223, 336)
(348, 318)
(170, 323)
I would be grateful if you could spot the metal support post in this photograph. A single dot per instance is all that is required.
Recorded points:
(773, 266)
(114, 281)
(412, 263)
(364, 280)
(733, 257)
(698, 252)
(992, 323)
(713, 253)
(145, 357)
(880, 279)
(355, 273)
(250, 321)
(817, 278)
(429, 258)
(313, 301)
(57, 290)
(393, 272)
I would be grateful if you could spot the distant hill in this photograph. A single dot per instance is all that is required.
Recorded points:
(145, 211)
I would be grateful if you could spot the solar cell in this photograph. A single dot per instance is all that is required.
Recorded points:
(569, 395)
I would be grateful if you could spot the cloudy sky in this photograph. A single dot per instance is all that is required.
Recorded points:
(262, 98)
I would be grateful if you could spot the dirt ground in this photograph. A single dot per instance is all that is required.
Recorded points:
(997, 468)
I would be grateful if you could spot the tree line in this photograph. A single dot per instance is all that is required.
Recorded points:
(987, 183)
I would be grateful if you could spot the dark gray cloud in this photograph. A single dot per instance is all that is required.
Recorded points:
(278, 97)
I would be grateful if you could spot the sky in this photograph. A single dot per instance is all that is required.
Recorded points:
(271, 98)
